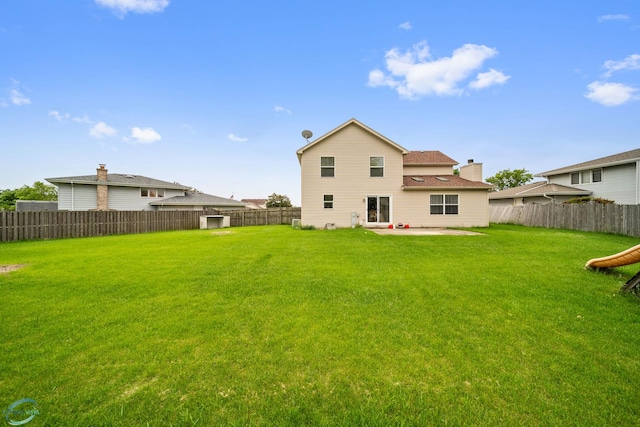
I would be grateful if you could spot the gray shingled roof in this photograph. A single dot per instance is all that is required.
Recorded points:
(615, 159)
(443, 182)
(198, 199)
(119, 180)
(538, 189)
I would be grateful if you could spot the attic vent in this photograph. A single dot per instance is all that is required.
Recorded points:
(417, 179)
(439, 178)
(129, 176)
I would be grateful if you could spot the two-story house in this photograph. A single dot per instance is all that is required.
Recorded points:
(353, 175)
(127, 192)
(615, 177)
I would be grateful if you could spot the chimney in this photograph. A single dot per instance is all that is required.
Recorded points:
(471, 171)
(102, 190)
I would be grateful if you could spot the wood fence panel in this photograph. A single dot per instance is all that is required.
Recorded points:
(592, 217)
(32, 225)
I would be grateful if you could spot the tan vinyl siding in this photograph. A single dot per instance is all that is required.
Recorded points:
(352, 148)
(413, 208)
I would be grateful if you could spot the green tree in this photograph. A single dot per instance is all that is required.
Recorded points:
(508, 178)
(278, 201)
(39, 191)
(8, 200)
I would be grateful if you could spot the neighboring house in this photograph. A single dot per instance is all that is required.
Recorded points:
(255, 203)
(353, 175)
(615, 177)
(538, 192)
(125, 192)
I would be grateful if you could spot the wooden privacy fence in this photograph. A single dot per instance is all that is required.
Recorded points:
(271, 216)
(16, 226)
(596, 217)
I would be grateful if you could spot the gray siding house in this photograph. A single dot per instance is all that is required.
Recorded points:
(615, 177)
(126, 192)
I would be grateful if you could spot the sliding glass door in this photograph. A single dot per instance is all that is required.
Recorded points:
(378, 209)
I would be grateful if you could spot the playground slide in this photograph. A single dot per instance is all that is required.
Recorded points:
(630, 256)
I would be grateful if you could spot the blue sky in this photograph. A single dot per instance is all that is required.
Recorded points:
(215, 94)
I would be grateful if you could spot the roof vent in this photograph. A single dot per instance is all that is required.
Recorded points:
(129, 176)
(439, 178)
(417, 179)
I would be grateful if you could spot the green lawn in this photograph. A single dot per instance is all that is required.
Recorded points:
(276, 326)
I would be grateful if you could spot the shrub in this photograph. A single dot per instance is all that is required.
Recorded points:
(590, 199)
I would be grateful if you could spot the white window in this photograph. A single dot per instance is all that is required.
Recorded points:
(327, 166)
(328, 201)
(586, 177)
(575, 178)
(596, 175)
(376, 166)
(151, 192)
(444, 204)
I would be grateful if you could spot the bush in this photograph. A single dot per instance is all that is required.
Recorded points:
(590, 199)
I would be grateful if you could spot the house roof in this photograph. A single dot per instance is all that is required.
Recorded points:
(119, 180)
(198, 199)
(355, 122)
(428, 158)
(441, 182)
(615, 159)
(538, 189)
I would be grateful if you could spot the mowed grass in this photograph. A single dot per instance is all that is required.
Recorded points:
(276, 326)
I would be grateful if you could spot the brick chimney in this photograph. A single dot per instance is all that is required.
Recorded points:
(102, 190)
(471, 171)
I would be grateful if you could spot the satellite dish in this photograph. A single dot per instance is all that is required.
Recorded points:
(306, 134)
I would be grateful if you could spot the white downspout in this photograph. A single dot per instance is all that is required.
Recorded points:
(638, 182)
(73, 198)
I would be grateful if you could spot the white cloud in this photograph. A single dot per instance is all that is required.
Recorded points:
(605, 18)
(56, 115)
(279, 109)
(101, 129)
(413, 73)
(631, 62)
(611, 94)
(405, 26)
(17, 98)
(135, 6)
(144, 136)
(490, 78)
(84, 119)
(232, 137)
